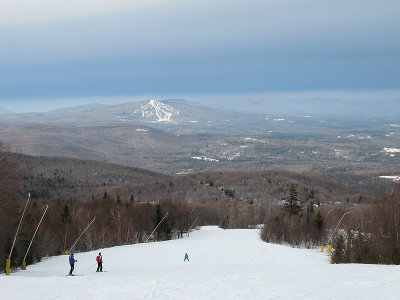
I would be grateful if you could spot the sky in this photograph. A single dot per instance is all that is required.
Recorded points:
(67, 52)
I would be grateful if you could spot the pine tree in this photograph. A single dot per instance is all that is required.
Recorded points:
(163, 231)
(66, 215)
(319, 222)
(292, 204)
(339, 253)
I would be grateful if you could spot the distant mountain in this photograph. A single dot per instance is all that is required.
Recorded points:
(171, 115)
(80, 108)
(4, 111)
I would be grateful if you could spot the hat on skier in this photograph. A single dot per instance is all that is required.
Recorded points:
(72, 252)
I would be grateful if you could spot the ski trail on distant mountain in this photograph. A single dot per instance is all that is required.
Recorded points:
(157, 110)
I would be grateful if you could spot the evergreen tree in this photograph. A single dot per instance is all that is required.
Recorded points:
(163, 231)
(395, 257)
(339, 253)
(319, 222)
(66, 215)
(366, 256)
(293, 203)
(310, 211)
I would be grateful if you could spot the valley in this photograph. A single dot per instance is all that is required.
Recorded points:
(194, 138)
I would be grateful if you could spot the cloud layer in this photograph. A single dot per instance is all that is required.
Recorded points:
(88, 48)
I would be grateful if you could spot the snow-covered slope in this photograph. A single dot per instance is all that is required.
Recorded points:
(230, 264)
(157, 111)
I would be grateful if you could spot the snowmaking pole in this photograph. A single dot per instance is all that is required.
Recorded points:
(193, 208)
(330, 250)
(156, 227)
(23, 267)
(8, 260)
(329, 246)
(192, 225)
(81, 235)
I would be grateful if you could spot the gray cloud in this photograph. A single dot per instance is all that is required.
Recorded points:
(205, 46)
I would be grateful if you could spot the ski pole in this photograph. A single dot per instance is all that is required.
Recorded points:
(92, 266)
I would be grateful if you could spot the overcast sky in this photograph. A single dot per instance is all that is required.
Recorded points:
(55, 50)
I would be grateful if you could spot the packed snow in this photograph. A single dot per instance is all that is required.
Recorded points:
(224, 264)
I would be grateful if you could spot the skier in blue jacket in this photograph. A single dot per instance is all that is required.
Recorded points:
(72, 261)
(186, 257)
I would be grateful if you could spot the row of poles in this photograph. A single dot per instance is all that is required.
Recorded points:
(23, 267)
(163, 220)
(8, 260)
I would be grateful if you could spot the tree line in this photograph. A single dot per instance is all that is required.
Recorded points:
(359, 233)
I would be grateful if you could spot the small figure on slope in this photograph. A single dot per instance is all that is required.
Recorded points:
(72, 261)
(186, 257)
(99, 260)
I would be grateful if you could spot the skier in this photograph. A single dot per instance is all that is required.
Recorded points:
(186, 257)
(99, 260)
(72, 261)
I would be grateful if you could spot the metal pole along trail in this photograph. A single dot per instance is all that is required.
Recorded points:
(157, 227)
(8, 260)
(23, 267)
(192, 225)
(81, 234)
(330, 244)
(193, 208)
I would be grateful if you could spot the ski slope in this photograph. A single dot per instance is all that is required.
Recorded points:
(224, 264)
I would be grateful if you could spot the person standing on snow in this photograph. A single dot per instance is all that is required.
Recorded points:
(72, 261)
(99, 260)
(186, 257)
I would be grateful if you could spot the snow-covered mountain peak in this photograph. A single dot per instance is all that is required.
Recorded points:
(157, 111)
